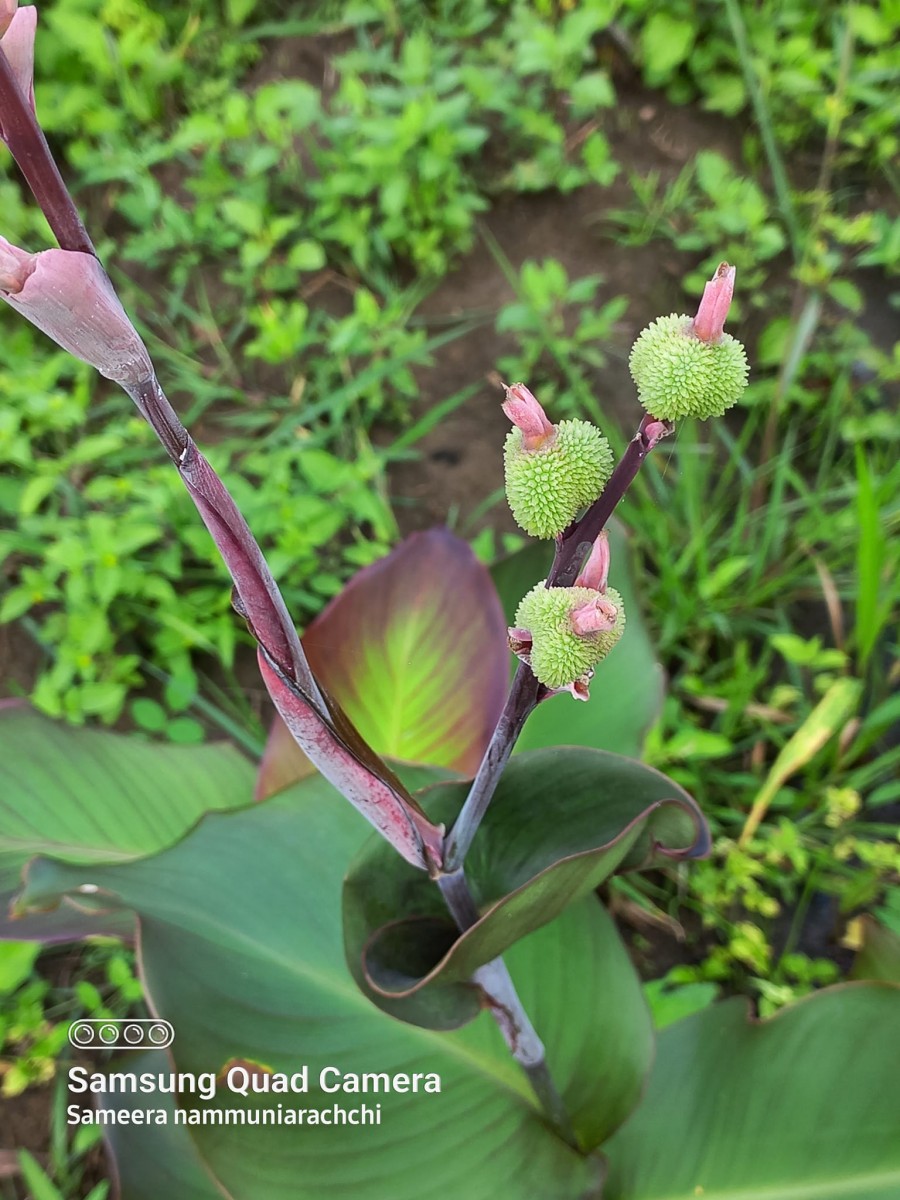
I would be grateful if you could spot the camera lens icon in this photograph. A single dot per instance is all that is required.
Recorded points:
(133, 1033)
(81, 1033)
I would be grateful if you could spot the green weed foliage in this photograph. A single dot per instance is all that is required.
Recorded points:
(277, 194)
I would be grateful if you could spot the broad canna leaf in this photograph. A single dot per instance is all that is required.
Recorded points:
(153, 1160)
(803, 1106)
(878, 956)
(86, 795)
(562, 821)
(414, 651)
(240, 949)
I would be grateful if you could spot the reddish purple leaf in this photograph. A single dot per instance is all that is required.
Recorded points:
(332, 747)
(414, 650)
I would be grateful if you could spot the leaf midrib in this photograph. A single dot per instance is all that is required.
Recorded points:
(398, 727)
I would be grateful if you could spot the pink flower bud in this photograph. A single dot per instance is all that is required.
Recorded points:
(595, 571)
(7, 12)
(17, 43)
(709, 323)
(528, 416)
(596, 616)
(68, 296)
(654, 431)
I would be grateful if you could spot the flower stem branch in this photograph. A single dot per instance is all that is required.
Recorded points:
(25, 138)
(66, 293)
(572, 547)
(518, 1032)
(574, 544)
(524, 695)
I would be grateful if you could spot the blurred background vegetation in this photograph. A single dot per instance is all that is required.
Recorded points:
(338, 225)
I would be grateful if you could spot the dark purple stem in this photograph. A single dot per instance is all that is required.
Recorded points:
(330, 740)
(572, 547)
(28, 146)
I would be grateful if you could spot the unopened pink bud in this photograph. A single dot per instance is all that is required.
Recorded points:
(17, 43)
(596, 616)
(654, 431)
(709, 323)
(595, 571)
(15, 267)
(68, 296)
(528, 416)
(7, 12)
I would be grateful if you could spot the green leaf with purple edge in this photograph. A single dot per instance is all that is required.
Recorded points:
(414, 651)
(631, 674)
(562, 822)
(86, 795)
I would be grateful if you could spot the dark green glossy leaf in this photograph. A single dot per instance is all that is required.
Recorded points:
(804, 1106)
(626, 692)
(152, 1160)
(561, 823)
(83, 795)
(240, 948)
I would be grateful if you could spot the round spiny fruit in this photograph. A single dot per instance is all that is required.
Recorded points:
(547, 487)
(559, 656)
(678, 375)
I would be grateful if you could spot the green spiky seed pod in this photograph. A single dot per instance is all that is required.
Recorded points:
(547, 487)
(559, 656)
(678, 375)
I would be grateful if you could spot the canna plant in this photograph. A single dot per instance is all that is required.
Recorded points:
(456, 966)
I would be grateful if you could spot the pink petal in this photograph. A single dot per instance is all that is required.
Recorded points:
(709, 322)
(526, 414)
(595, 571)
(597, 616)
